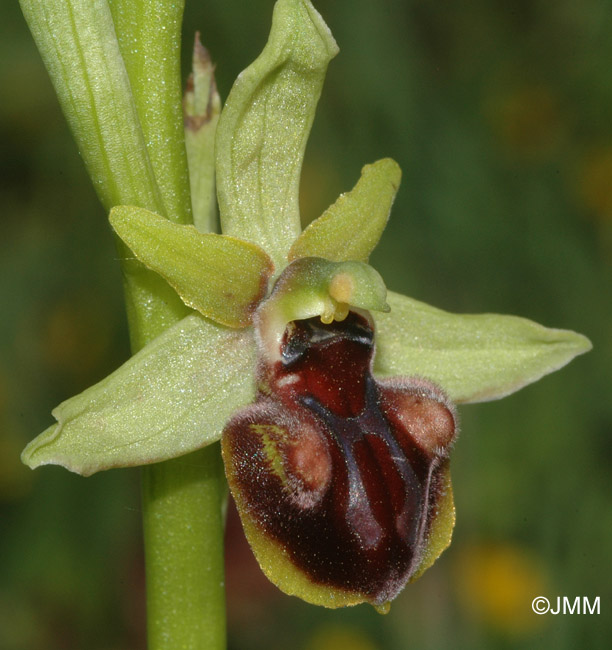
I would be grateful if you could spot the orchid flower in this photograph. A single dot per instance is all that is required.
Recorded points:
(334, 398)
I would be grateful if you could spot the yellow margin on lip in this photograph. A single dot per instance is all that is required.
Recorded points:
(441, 532)
(276, 563)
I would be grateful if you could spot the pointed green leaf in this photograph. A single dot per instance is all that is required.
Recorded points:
(352, 226)
(171, 398)
(473, 357)
(202, 107)
(221, 277)
(149, 36)
(76, 39)
(263, 130)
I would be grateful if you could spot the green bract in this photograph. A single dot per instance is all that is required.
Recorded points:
(106, 109)
(177, 394)
(202, 107)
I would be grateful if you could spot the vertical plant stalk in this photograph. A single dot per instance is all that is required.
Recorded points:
(127, 122)
(184, 559)
(181, 498)
(183, 524)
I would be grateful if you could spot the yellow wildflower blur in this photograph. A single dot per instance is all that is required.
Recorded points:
(595, 182)
(496, 584)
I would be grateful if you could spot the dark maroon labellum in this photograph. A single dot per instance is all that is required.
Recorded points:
(344, 471)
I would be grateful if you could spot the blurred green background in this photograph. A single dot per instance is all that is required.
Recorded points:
(500, 115)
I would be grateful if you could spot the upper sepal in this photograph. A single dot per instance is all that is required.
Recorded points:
(474, 357)
(264, 126)
(171, 398)
(221, 277)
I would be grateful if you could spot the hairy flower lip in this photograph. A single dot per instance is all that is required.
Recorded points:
(335, 469)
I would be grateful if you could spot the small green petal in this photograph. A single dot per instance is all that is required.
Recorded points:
(474, 357)
(351, 228)
(171, 398)
(264, 127)
(221, 277)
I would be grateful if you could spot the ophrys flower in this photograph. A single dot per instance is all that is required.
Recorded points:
(333, 396)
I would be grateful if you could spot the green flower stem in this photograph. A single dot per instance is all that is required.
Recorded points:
(183, 539)
(181, 498)
(116, 72)
(183, 526)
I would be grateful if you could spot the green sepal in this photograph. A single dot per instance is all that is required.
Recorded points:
(221, 277)
(351, 228)
(473, 357)
(171, 398)
(202, 107)
(264, 127)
